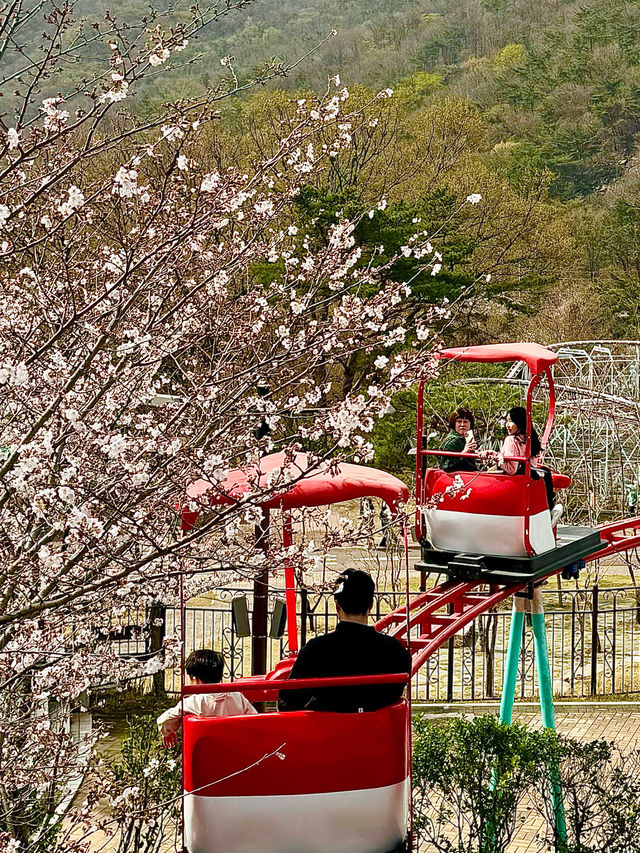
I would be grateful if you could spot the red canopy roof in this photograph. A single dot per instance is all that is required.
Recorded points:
(537, 357)
(323, 485)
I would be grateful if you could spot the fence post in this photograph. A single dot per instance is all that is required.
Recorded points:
(155, 642)
(594, 640)
(614, 628)
(473, 660)
(260, 614)
(572, 673)
(304, 611)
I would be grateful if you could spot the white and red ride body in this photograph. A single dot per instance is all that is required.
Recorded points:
(342, 783)
(486, 515)
(491, 513)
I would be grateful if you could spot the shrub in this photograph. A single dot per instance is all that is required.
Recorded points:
(147, 776)
(469, 778)
(601, 796)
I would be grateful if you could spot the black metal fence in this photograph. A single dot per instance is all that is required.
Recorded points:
(594, 650)
(593, 637)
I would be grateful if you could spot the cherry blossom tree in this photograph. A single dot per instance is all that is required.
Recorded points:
(134, 338)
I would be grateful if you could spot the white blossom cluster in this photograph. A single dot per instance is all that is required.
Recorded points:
(137, 324)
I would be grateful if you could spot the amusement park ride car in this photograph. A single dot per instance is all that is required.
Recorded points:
(316, 782)
(501, 528)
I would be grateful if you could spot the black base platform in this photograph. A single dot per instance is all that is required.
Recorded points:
(573, 544)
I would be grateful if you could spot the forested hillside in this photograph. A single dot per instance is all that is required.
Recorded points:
(546, 95)
(558, 81)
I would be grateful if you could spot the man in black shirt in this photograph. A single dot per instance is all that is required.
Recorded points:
(354, 648)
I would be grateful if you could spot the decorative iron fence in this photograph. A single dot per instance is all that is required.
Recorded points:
(594, 650)
(593, 637)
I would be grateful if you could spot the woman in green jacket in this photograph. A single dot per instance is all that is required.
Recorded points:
(459, 439)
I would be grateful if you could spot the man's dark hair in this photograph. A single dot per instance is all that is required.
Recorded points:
(461, 413)
(354, 592)
(205, 664)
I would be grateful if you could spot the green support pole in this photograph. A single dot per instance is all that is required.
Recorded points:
(513, 659)
(508, 688)
(546, 706)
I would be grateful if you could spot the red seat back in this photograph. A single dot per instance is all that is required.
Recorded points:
(371, 749)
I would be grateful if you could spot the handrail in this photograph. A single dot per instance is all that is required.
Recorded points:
(271, 686)
(457, 454)
(609, 527)
(615, 546)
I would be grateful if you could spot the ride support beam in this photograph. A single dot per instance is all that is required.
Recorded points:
(513, 659)
(290, 584)
(535, 607)
(545, 685)
(260, 613)
(466, 609)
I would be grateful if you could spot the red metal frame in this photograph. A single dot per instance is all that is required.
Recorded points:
(419, 439)
(290, 585)
(242, 684)
(467, 603)
(618, 540)
(552, 409)
(183, 632)
(464, 601)
(407, 610)
(508, 352)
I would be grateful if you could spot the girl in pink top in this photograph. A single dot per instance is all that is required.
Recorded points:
(515, 443)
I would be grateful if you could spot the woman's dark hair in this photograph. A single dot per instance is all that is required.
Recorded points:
(461, 413)
(519, 417)
(205, 664)
(354, 592)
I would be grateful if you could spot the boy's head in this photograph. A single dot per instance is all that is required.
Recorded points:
(354, 592)
(205, 665)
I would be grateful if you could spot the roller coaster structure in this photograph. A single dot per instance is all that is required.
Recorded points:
(423, 624)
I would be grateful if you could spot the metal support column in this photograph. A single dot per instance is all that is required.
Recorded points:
(536, 609)
(513, 659)
(260, 615)
(546, 705)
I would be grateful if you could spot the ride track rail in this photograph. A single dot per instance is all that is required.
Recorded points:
(466, 602)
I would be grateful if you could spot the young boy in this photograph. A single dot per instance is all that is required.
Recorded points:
(204, 666)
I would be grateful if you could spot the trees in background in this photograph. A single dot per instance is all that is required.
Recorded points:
(498, 257)
(557, 81)
(553, 86)
(137, 331)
